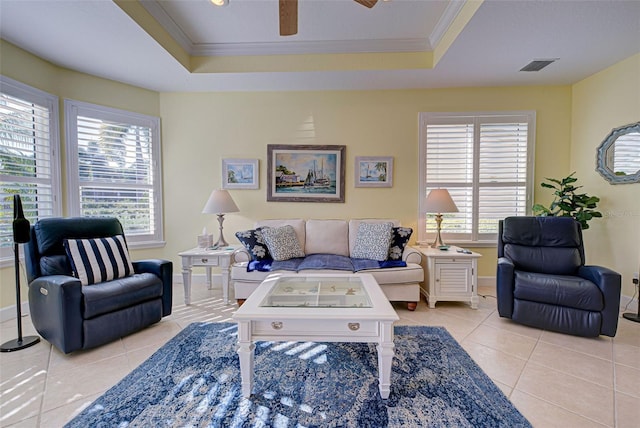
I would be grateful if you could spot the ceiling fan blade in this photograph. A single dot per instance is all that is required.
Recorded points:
(288, 17)
(367, 3)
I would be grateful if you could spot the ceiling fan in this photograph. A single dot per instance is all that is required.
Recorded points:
(289, 15)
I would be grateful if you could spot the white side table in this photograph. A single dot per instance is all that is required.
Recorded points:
(451, 276)
(207, 258)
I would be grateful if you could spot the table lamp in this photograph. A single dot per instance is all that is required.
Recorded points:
(439, 201)
(220, 203)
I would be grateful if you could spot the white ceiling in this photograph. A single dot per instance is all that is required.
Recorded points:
(99, 38)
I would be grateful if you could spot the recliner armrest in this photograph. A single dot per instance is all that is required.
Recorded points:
(504, 286)
(610, 283)
(55, 305)
(163, 269)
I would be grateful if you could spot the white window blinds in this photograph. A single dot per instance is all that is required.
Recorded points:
(28, 156)
(484, 162)
(626, 156)
(116, 168)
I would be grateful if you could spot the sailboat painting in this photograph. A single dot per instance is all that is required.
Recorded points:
(374, 171)
(305, 173)
(240, 174)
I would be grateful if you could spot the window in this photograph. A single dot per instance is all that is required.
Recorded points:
(29, 164)
(114, 169)
(485, 160)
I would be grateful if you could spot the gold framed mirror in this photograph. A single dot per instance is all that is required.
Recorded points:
(618, 157)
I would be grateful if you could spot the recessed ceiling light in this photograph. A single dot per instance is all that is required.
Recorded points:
(538, 64)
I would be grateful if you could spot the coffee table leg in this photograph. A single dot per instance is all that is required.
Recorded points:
(245, 354)
(385, 359)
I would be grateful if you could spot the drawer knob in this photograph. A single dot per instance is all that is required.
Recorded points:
(204, 260)
(354, 326)
(277, 325)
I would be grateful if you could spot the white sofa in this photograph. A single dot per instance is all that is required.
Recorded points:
(334, 237)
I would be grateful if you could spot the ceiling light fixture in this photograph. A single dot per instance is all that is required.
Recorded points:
(220, 2)
(538, 64)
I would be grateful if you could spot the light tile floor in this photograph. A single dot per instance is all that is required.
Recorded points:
(555, 380)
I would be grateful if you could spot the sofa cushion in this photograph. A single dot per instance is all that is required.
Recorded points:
(99, 260)
(373, 241)
(298, 225)
(354, 224)
(253, 241)
(111, 296)
(560, 290)
(282, 242)
(327, 237)
(548, 260)
(326, 261)
(55, 265)
(399, 239)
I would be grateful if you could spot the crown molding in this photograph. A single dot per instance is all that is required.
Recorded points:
(157, 11)
(450, 13)
(310, 47)
(281, 47)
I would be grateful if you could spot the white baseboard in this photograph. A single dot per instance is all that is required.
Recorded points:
(200, 279)
(487, 281)
(9, 312)
(633, 306)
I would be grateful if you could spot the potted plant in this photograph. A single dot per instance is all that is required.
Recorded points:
(568, 203)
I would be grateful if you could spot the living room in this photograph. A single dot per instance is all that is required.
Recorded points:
(200, 128)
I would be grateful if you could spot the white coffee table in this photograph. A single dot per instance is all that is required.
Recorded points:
(319, 308)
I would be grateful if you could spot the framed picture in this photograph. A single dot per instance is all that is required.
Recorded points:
(374, 171)
(304, 173)
(240, 174)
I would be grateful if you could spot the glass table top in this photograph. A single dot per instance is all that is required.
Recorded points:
(318, 292)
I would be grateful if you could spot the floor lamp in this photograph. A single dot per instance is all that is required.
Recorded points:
(439, 201)
(20, 236)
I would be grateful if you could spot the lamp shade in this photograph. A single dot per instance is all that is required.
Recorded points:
(439, 201)
(220, 202)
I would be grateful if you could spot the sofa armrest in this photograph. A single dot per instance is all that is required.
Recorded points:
(504, 286)
(163, 269)
(411, 255)
(55, 305)
(240, 255)
(610, 283)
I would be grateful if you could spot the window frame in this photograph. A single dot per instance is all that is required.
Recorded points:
(16, 89)
(73, 109)
(476, 118)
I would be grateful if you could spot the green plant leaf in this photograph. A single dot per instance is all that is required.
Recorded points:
(568, 203)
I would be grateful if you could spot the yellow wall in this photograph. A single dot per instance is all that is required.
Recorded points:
(604, 101)
(199, 129)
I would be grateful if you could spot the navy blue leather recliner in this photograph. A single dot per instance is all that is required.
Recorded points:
(72, 316)
(542, 280)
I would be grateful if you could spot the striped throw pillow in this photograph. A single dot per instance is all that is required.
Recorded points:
(98, 260)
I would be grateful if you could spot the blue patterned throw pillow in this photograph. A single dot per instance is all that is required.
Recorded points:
(399, 240)
(99, 260)
(282, 242)
(373, 241)
(254, 243)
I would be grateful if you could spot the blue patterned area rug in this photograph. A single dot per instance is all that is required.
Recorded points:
(194, 381)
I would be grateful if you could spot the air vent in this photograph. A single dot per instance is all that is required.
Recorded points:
(538, 64)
